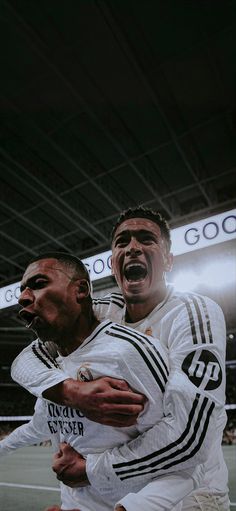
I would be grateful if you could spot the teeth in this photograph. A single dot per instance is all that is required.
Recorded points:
(134, 265)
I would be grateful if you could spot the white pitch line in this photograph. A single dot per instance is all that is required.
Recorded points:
(30, 486)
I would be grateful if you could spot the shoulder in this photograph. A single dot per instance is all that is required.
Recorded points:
(141, 354)
(46, 353)
(202, 315)
(124, 332)
(194, 301)
(203, 302)
(128, 337)
(109, 299)
(109, 306)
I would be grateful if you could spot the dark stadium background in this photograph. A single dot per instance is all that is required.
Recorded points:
(107, 104)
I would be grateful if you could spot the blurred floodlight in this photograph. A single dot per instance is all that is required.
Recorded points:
(186, 281)
(218, 274)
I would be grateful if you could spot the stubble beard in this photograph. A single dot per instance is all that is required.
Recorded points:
(134, 299)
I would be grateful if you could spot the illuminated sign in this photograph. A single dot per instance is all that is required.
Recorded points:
(203, 233)
(99, 266)
(200, 234)
(9, 295)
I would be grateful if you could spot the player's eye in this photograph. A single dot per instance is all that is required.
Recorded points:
(121, 242)
(39, 283)
(148, 238)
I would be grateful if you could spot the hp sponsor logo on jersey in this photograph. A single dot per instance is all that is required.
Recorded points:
(203, 369)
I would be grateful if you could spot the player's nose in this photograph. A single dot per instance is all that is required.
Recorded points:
(26, 297)
(134, 247)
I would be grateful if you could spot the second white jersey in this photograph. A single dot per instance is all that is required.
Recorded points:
(192, 327)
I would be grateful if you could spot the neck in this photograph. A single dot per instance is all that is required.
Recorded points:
(137, 310)
(75, 340)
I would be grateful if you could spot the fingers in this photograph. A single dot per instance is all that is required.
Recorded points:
(130, 398)
(118, 384)
(55, 468)
(108, 415)
(63, 446)
(67, 449)
(68, 482)
(117, 411)
(126, 393)
(126, 397)
(122, 409)
(57, 456)
(65, 479)
(64, 449)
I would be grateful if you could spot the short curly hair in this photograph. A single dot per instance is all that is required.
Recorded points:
(67, 259)
(150, 214)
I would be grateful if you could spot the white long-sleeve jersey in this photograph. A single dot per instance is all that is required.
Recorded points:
(30, 433)
(143, 363)
(192, 327)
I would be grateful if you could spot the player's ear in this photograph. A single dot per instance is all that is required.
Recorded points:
(168, 261)
(82, 289)
(112, 267)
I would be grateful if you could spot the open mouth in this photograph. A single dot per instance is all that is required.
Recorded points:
(135, 272)
(27, 317)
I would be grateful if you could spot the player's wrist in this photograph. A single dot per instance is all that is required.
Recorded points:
(70, 393)
(82, 473)
(64, 393)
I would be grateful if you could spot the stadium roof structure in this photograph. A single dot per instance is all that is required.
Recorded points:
(108, 104)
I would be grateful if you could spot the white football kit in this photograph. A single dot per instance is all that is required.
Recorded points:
(143, 363)
(192, 328)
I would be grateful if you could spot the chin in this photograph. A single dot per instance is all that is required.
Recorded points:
(135, 292)
(134, 297)
(45, 336)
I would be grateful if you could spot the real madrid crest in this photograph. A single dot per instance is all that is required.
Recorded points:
(84, 373)
(148, 331)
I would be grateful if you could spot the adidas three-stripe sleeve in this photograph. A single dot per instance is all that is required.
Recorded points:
(36, 370)
(194, 399)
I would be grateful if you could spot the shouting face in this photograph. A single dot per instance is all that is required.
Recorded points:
(140, 259)
(49, 300)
